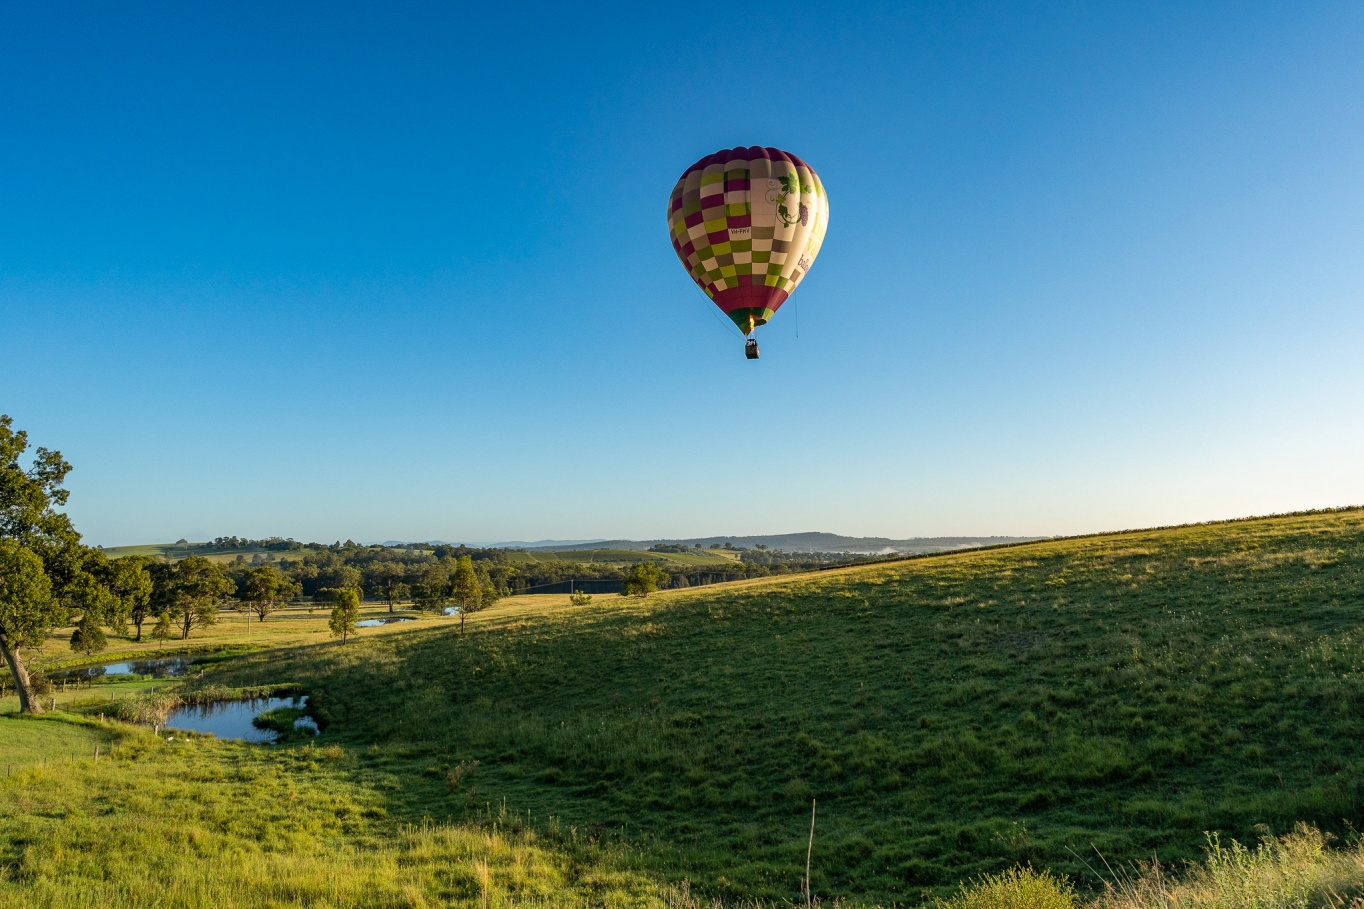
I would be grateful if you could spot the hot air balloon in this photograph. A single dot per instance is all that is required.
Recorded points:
(747, 224)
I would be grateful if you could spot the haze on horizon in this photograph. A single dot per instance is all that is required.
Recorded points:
(378, 273)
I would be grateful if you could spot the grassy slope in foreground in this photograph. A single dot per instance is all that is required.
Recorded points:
(953, 715)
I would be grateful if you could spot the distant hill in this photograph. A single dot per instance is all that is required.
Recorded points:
(545, 545)
(784, 542)
(799, 542)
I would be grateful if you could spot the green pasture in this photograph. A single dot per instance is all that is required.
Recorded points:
(174, 553)
(150, 550)
(954, 716)
(29, 741)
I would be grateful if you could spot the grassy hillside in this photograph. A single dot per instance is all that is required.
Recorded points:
(174, 552)
(953, 715)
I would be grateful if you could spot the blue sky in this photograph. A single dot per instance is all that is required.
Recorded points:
(402, 271)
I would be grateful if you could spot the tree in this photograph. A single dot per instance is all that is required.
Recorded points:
(35, 596)
(465, 588)
(199, 585)
(345, 614)
(643, 580)
(88, 638)
(579, 598)
(163, 630)
(342, 576)
(387, 581)
(431, 597)
(27, 611)
(265, 589)
(131, 583)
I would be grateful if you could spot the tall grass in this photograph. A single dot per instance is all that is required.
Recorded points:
(1296, 871)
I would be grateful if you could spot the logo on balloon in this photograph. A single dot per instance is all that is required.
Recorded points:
(777, 192)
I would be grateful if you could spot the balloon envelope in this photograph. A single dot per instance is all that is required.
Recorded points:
(747, 224)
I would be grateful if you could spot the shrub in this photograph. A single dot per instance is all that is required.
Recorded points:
(1017, 888)
(88, 638)
(579, 598)
(644, 579)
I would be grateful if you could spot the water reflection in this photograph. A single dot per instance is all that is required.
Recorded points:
(232, 719)
(386, 620)
(156, 668)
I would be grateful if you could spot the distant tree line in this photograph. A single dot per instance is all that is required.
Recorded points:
(49, 578)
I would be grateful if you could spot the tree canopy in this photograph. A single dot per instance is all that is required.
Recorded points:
(643, 579)
(197, 587)
(129, 581)
(45, 571)
(345, 613)
(265, 589)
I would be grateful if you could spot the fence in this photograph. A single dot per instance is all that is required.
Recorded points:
(593, 585)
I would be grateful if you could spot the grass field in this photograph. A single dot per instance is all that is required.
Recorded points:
(293, 626)
(32, 740)
(174, 553)
(954, 716)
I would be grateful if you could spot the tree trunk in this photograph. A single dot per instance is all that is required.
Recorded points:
(138, 623)
(188, 624)
(27, 702)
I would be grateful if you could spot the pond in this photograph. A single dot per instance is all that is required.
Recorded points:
(232, 719)
(155, 667)
(386, 620)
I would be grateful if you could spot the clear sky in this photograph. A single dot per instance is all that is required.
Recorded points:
(402, 271)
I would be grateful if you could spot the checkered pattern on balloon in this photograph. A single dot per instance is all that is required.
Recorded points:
(747, 224)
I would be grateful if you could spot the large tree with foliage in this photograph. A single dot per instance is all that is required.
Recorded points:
(44, 568)
(129, 581)
(265, 589)
(643, 579)
(198, 586)
(388, 581)
(431, 597)
(27, 611)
